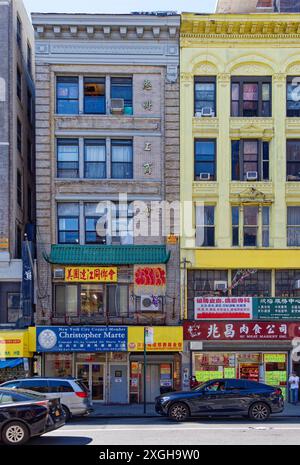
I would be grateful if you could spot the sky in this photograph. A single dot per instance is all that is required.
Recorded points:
(119, 6)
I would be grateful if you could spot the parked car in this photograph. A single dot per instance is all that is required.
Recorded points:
(74, 395)
(24, 414)
(222, 397)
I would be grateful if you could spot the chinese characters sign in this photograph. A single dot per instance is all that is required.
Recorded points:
(276, 308)
(150, 280)
(165, 339)
(82, 274)
(222, 308)
(254, 330)
(14, 344)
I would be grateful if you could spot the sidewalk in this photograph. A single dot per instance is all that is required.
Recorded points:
(137, 410)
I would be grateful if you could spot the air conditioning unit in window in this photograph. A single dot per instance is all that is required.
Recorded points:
(297, 284)
(207, 112)
(252, 175)
(59, 273)
(220, 286)
(150, 303)
(117, 106)
(204, 176)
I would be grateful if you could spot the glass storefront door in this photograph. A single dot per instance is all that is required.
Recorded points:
(92, 374)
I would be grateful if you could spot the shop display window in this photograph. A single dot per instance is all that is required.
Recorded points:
(58, 365)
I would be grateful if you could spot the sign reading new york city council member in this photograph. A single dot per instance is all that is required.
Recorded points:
(81, 339)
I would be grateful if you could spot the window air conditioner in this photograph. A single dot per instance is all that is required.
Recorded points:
(204, 176)
(58, 273)
(150, 303)
(207, 112)
(251, 175)
(117, 105)
(220, 286)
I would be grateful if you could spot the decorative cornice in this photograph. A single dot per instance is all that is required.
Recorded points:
(261, 128)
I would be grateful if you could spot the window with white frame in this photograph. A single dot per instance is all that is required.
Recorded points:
(293, 226)
(250, 226)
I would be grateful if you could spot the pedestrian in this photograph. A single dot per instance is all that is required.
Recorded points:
(294, 387)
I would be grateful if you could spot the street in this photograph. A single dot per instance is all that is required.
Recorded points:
(161, 431)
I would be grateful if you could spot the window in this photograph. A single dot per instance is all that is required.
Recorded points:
(91, 299)
(256, 226)
(121, 224)
(287, 283)
(293, 160)
(19, 135)
(236, 385)
(121, 159)
(29, 155)
(14, 312)
(66, 300)
(293, 226)
(250, 160)
(68, 223)
(92, 216)
(251, 96)
(29, 59)
(60, 386)
(121, 88)
(67, 158)
(67, 95)
(205, 96)
(95, 159)
(94, 95)
(29, 106)
(202, 283)
(19, 32)
(205, 226)
(18, 242)
(37, 385)
(19, 84)
(255, 284)
(205, 159)
(29, 204)
(117, 300)
(292, 97)
(19, 188)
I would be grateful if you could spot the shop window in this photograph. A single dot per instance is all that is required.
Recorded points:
(95, 159)
(67, 95)
(292, 97)
(66, 300)
(205, 96)
(287, 283)
(121, 88)
(293, 226)
(251, 97)
(67, 158)
(121, 159)
(293, 160)
(68, 223)
(205, 160)
(117, 300)
(91, 300)
(14, 312)
(94, 95)
(251, 284)
(250, 160)
(58, 365)
(205, 226)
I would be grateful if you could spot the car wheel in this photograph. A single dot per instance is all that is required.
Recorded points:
(15, 433)
(179, 412)
(67, 413)
(259, 411)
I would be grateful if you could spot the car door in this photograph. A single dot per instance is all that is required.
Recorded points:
(237, 396)
(210, 399)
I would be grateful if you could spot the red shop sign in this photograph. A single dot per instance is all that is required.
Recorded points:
(228, 330)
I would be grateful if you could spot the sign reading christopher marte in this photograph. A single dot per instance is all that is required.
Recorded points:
(223, 308)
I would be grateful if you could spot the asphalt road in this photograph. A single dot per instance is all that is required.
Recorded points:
(161, 431)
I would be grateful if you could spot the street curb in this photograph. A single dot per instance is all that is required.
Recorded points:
(157, 416)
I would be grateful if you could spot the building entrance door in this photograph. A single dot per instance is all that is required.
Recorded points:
(92, 374)
(153, 383)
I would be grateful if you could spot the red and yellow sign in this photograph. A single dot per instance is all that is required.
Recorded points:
(3, 243)
(150, 280)
(15, 344)
(82, 274)
(166, 339)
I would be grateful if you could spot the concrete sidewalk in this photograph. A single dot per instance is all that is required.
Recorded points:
(137, 410)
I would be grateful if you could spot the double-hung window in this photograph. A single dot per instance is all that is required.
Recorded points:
(205, 96)
(250, 160)
(293, 226)
(205, 160)
(67, 95)
(117, 300)
(68, 223)
(205, 226)
(67, 158)
(292, 96)
(251, 97)
(293, 160)
(121, 159)
(66, 300)
(95, 158)
(94, 95)
(250, 226)
(93, 213)
(121, 88)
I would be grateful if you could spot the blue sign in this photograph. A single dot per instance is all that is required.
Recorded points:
(81, 338)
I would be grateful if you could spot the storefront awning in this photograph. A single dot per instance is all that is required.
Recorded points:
(10, 363)
(108, 254)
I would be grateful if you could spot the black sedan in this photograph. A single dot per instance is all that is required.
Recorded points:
(222, 397)
(24, 414)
